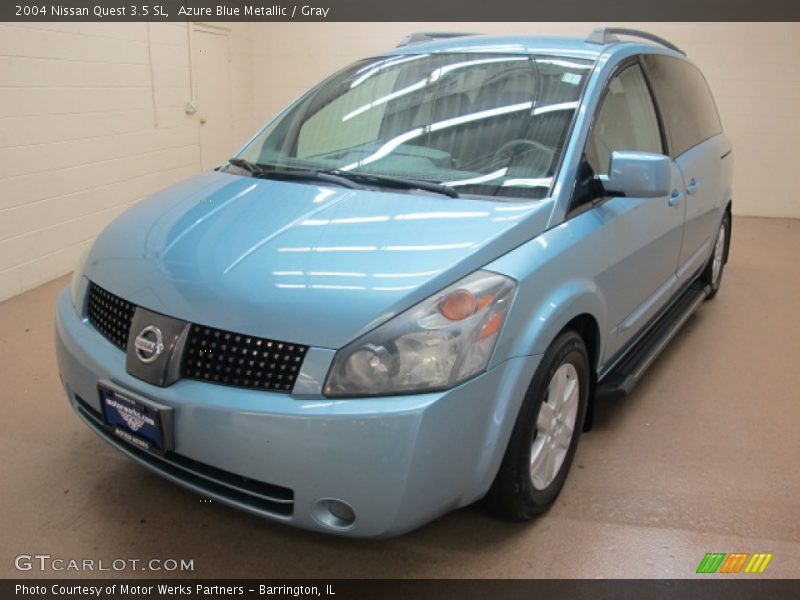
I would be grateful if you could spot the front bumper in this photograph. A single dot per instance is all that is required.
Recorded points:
(397, 461)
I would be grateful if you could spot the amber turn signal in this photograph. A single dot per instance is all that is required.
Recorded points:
(459, 305)
(491, 327)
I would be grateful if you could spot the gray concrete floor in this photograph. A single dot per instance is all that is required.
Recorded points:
(702, 457)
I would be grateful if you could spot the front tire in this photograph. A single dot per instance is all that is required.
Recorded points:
(546, 432)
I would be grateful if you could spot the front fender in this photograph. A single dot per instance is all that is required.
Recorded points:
(535, 326)
(552, 291)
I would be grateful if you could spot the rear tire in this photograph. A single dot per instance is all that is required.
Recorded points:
(546, 433)
(712, 274)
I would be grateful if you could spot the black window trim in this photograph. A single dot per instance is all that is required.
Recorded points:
(624, 64)
(666, 140)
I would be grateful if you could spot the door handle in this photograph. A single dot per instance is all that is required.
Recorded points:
(692, 187)
(675, 198)
(202, 120)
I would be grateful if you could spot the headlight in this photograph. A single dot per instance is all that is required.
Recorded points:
(77, 274)
(435, 345)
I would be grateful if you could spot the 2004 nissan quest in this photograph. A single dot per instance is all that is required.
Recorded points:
(406, 292)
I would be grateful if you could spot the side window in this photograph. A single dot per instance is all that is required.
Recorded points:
(626, 121)
(688, 108)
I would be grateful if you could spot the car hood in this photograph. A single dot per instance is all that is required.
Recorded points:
(309, 264)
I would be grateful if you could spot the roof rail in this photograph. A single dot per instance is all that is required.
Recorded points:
(421, 37)
(605, 35)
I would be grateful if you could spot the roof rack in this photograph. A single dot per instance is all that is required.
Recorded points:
(421, 37)
(605, 35)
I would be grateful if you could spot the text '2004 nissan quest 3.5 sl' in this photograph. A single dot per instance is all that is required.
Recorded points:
(406, 292)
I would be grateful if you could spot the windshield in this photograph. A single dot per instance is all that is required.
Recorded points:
(482, 124)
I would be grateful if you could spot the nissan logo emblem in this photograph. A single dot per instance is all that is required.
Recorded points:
(149, 344)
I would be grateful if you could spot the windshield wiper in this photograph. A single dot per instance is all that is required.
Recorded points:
(252, 168)
(343, 178)
(272, 172)
(397, 182)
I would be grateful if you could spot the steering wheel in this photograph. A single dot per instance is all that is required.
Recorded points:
(506, 153)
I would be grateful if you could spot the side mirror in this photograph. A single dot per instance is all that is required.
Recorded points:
(638, 175)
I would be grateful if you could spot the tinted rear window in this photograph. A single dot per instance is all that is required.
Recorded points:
(687, 107)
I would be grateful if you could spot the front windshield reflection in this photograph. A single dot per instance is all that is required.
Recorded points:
(485, 124)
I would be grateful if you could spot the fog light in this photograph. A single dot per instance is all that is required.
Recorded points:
(342, 511)
(334, 513)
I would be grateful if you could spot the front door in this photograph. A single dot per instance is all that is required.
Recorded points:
(638, 239)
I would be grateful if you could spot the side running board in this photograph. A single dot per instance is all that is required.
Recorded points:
(624, 377)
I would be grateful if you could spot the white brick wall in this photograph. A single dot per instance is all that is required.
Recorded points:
(91, 121)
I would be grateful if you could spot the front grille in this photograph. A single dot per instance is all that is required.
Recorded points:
(257, 496)
(210, 355)
(110, 315)
(239, 360)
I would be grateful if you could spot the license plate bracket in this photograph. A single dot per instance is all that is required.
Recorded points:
(139, 421)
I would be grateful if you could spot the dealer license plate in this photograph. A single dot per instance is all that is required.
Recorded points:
(138, 421)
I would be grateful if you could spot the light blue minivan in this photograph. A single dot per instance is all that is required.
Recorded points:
(406, 292)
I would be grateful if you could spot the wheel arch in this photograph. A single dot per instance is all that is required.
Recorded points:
(729, 212)
(577, 303)
(586, 326)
